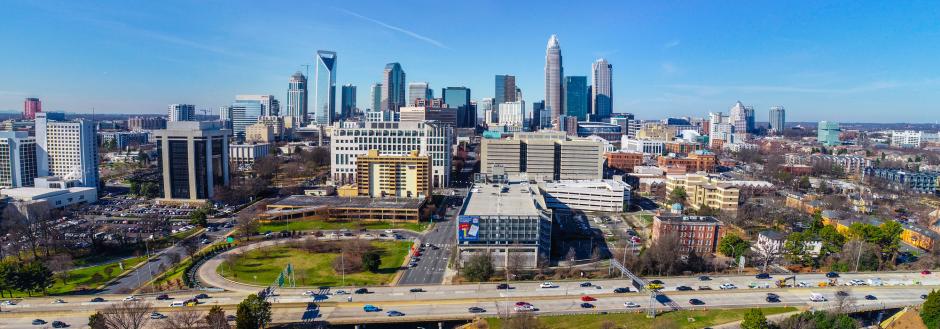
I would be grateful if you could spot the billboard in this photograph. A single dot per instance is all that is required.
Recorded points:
(468, 228)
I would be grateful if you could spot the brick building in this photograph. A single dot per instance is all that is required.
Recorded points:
(698, 233)
(624, 161)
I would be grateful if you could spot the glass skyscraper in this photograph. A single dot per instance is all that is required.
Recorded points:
(576, 97)
(325, 87)
(554, 90)
(376, 97)
(244, 113)
(296, 97)
(601, 90)
(505, 89)
(459, 98)
(393, 87)
(348, 101)
(778, 119)
(418, 90)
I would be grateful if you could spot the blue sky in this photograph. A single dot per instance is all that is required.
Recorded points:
(858, 61)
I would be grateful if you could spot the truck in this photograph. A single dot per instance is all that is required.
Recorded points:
(816, 297)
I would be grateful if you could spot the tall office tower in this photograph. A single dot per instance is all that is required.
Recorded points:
(576, 97)
(519, 94)
(244, 113)
(66, 149)
(601, 90)
(393, 87)
(376, 97)
(512, 113)
(347, 101)
(590, 105)
(418, 90)
(297, 97)
(778, 119)
(538, 115)
(742, 117)
(181, 112)
(17, 159)
(554, 74)
(505, 89)
(828, 133)
(194, 159)
(269, 105)
(459, 98)
(487, 108)
(325, 87)
(31, 106)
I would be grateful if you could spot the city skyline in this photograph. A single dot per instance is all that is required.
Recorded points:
(834, 64)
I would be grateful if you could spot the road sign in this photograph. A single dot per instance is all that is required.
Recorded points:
(229, 240)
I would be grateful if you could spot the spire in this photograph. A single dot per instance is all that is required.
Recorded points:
(553, 42)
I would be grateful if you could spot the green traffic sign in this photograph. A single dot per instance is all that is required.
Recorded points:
(229, 240)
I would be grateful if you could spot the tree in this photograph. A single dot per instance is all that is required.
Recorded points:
(252, 313)
(185, 319)
(127, 315)
(523, 321)
(371, 261)
(96, 321)
(216, 318)
(754, 319)
(198, 217)
(732, 245)
(479, 267)
(678, 195)
(246, 224)
(930, 311)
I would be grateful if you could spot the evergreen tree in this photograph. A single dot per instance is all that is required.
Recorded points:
(930, 311)
(754, 319)
(252, 313)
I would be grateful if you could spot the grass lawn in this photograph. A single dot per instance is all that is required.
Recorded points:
(639, 320)
(312, 225)
(262, 266)
(647, 219)
(86, 278)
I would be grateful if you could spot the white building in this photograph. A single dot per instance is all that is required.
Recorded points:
(392, 138)
(246, 154)
(55, 191)
(17, 159)
(512, 113)
(910, 138)
(642, 145)
(771, 243)
(587, 195)
(66, 149)
(181, 112)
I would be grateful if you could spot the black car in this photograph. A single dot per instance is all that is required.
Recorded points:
(695, 301)
(59, 324)
(39, 322)
(622, 290)
(762, 276)
(587, 305)
(97, 300)
(923, 296)
(202, 296)
(842, 293)
(656, 282)
(772, 298)
(163, 297)
(704, 278)
(585, 284)
(416, 290)
(476, 310)
(832, 275)
(502, 286)
(870, 297)
(683, 288)
(230, 317)
(361, 291)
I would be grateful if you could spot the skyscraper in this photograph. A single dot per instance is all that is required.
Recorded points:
(66, 149)
(554, 74)
(325, 87)
(576, 97)
(31, 106)
(778, 119)
(181, 112)
(244, 113)
(418, 90)
(376, 97)
(297, 97)
(487, 107)
(538, 115)
(393, 87)
(17, 159)
(459, 98)
(742, 117)
(194, 159)
(601, 90)
(828, 133)
(348, 101)
(505, 89)
(269, 105)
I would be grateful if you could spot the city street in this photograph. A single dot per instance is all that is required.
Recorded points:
(430, 269)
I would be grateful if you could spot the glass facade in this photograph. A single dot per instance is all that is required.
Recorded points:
(505, 89)
(179, 169)
(325, 87)
(459, 98)
(576, 97)
(244, 113)
(348, 101)
(297, 96)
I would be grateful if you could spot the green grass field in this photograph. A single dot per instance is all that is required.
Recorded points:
(262, 266)
(78, 279)
(647, 219)
(639, 320)
(311, 225)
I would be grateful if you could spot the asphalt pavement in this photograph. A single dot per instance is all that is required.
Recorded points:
(433, 261)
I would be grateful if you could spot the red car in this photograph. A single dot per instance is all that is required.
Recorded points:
(522, 303)
(925, 272)
(417, 254)
(587, 299)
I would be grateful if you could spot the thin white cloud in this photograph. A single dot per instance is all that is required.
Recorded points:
(721, 89)
(395, 28)
(671, 44)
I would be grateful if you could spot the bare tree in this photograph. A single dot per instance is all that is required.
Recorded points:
(246, 223)
(523, 321)
(184, 319)
(59, 264)
(191, 246)
(844, 302)
(216, 318)
(127, 315)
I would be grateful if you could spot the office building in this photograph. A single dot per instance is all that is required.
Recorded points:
(418, 90)
(645, 146)
(607, 131)
(181, 112)
(554, 74)
(324, 90)
(587, 195)
(683, 147)
(505, 89)
(742, 117)
(827, 133)
(624, 161)
(696, 233)
(509, 222)
(391, 138)
(31, 106)
(512, 113)
(702, 191)
(247, 154)
(145, 123)
(244, 113)
(913, 139)
(376, 97)
(402, 176)
(269, 105)
(459, 98)
(259, 133)
(538, 114)
(721, 130)
(433, 102)
(382, 116)
(657, 131)
(543, 156)
(778, 119)
(18, 165)
(698, 161)
(193, 159)
(601, 90)
(276, 123)
(576, 97)
(66, 149)
(297, 97)
(447, 116)
(487, 107)
(347, 101)
(393, 87)
(123, 139)
(54, 192)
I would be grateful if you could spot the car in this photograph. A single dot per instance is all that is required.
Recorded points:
(417, 254)
(622, 290)
(39, 322)
(654, 286)
(59, 324)
(8, 302)
(157, 315)
(547, 285)
(395, 313)
(97, 300)
(772, 298)
(502, 286)
(585, 284)
(412, 264)
(704, 278)
(587, 305)
(832, 275)
(587, 299)
(416, 290)
(924, 296)
(683, 288)
(656, 282)
(389, 231)
(925, 272)
(361, 291)
(727, 286)
(523, 303)
(371, 308)
(630, 305)
(870, 297)
(58, 301)
(842, 293)
(341, 292)
(131, 298)
(762, 276)
(696, 301)
(309, 293)
(523, 308)
(475, 309)
(163, 297)
(202, 296)
(704, 288)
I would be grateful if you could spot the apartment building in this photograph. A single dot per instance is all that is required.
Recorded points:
(404, 176)
(698, 161)
(703, 191)
(543, 157)
(695, 233)
(624, 161)
(355, 139)
(18, 167)
(66, 149)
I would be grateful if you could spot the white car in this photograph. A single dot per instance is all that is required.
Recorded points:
(523, 308)
(630, 305)
(547, 285)
(726, 286)
(8, 303)
(389, 231)
(341, 292)
(131, 298)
